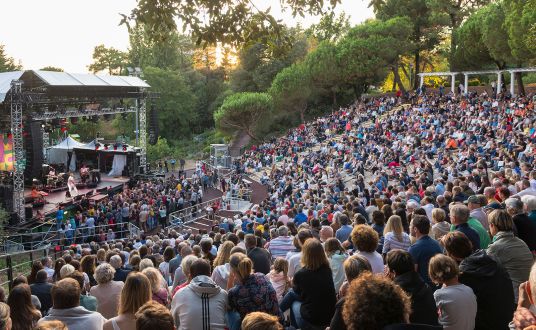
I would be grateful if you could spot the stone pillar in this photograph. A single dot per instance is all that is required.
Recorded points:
(512, 83)
(453, 82)
(466, 84)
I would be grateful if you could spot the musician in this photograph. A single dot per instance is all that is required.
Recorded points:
(72, 185)
(51, 177)
(52, 171)
(84, 173)
(37, 196)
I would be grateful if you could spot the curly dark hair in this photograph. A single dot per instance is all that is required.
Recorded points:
(364, 238)
(373, 302)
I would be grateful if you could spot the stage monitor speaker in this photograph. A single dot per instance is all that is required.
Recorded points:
(28, 212)
(33, 144)
(153, 126)
(6, 197)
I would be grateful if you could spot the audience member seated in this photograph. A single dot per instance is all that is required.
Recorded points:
(202, 304)
(66, 308)
(135, 293)
(400, 267)
(488, 279)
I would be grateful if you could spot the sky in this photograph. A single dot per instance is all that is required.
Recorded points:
(63, 33)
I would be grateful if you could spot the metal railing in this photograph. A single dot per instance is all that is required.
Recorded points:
(192, 213)
(81, 234)
(20, 263)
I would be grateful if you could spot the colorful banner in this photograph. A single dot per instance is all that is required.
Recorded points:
(6, 152)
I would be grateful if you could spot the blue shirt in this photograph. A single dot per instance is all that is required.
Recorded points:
(422, 251)
(300, 218)
(470, 233)
(343, 233)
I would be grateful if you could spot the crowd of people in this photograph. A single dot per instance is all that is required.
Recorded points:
(378, 216)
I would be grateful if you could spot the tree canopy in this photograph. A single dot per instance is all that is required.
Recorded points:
(243, 111)
(7, 63)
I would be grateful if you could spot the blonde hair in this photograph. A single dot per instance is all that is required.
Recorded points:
(66, 270)
(224, 253)
(155, 278)
(501, 220)
(4, 315)
(313, 255)
(50, 325)
(355, 266)
(438, 215)
(136, 292)
(532, 281)
(394, 224)
(261, 321)
(241, 265)
(187, 263)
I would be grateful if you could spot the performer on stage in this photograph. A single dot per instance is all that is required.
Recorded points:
(72, 185)
(84, 173)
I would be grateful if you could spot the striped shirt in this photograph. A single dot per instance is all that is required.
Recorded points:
(391, 242)
(280, 246)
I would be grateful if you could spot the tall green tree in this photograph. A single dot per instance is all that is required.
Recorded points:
(243, 112)
(175, 104)
(52, 68)
(483, 40)
(426, 26)
(330, 28)
(108, 59)
(292, 89)
(456, 11)
(212, 21)
(324, 69)
(7, 63)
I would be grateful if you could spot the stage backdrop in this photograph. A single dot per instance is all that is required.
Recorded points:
(6, 152)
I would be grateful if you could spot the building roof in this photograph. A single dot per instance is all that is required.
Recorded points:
(69, 84)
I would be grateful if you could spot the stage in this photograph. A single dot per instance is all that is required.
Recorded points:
(54, 199)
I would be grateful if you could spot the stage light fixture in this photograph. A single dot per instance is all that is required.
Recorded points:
(124, 147)
(106, 146)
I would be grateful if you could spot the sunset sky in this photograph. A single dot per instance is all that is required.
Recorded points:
(63, 33)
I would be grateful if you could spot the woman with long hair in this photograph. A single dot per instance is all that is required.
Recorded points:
(222, 269)
(36, 266)
(395, 237)
(336, 256)
(60, 262)
(87, 266)
(135, 293)
(312, 299)
(23, 313)
(5, 317)
(159, 293)
(248, 291)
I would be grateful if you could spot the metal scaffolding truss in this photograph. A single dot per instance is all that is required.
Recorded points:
(80, 113)
(142, 112)
(18, 148)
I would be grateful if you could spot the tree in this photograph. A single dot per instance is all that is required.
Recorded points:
(243, 111)
(159, 151)
(52, 68)
(174, 52)
(212, 21)
(175, 104)
(482, 40)
(292, 89)
(371, 49)
(426, 27)
(330, 28)
(324, 69)
(520, 22)
(109, 59)
(456, 11)
(7, 63)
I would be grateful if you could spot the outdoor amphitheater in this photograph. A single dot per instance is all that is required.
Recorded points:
(237, 166)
